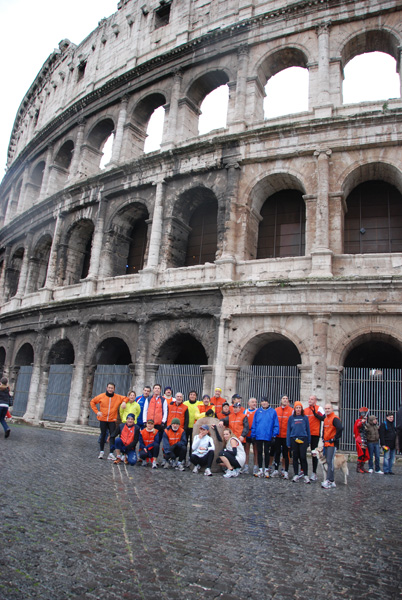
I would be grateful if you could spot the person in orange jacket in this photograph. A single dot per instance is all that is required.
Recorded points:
(316, 416)
(283, 411)
(331, 435)
(109, 404)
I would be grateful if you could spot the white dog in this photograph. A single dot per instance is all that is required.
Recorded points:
(340, 462)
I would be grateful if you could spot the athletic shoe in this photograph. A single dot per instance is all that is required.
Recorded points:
(101, 454)
(326, 484)
(7, 433)
(371, 470)
(266, 473)
(196, 468)
(144, 462)
(188, 463)
(244, 469)
(300, 475)
(306, 479)
(333, 484)
(380, 472)
(164, 463)
(111, 456)
(313, 477)
(208, 472)
(259, 473)
(154, 464)
(229, 474)
(236, 472)
(295, 479)
(285, 475)
(255, 469)
(275, 473)
(125, 460)
(118, 460)
(391, 473)
(180, 466)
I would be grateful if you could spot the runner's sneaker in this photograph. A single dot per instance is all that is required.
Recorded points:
(125, 460)
(118, 460)
(313, 477)
(101, 454)
(208, 472)
(166, 464)
(326, 484)
(300, 475)
(371, 471)
(266, 473)
(306, 479)
(285, 474)
(144, 462)
(111, 456)
(154, 464)
(275, 473)
(244, 469)
(236, 472)
(229, 473)
(333, 484)
(295, 479)
(255, 469)
(180, 466)
(196, 469)
(380, 472)
(259, 473)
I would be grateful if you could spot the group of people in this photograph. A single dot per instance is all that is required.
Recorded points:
(154, 420)
(369, 436)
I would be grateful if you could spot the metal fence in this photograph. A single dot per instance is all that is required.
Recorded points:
(58, 393)
(118, 374)
(270, 381)
(377, 389)
(21, 390)
(181, 378)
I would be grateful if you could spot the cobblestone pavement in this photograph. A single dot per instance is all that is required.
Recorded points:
(77, 527)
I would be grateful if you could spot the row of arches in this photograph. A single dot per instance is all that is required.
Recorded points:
(372, 224)
(126, 128)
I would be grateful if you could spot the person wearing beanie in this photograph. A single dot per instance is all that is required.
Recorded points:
(264, 430)
(298, 438)
(126, 442)
(359, 431)
(373, 444)
(388, 442)
(217, 400)
(174, 445)
(5, 402)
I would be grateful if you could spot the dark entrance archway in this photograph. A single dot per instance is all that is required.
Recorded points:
(23, 368)
(61, 360)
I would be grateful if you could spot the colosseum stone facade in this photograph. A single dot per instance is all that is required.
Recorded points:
(268, 243)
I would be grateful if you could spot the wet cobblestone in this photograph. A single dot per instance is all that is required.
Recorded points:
(77, 527)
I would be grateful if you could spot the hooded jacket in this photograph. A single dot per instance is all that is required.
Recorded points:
(265, 424)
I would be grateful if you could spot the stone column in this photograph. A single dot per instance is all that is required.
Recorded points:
(141, 357)
(324, 108)
(97, 245)
(24, 268)
(322, 255)
(170, 125)
(156, 236)
(219, 374)
(8, 370)
(44, 189)
(3, 278)
(75, 162)
(52, 264)
(338, 209)
(118, 138)
(227, 260)
(319, 355)
(42, 391)
(23, 198)
(11, 207)
(31, 413)
(241, 87)
(78, 380)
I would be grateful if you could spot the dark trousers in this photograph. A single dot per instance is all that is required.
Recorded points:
(299, 452)
(280, 446)
(149, 452)
(263, 447)
(175, 452)
(203, 461)
(313, 445)
(105, 427)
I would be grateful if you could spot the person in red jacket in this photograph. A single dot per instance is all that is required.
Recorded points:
(283, 411)
(332, 433)
(127, 441)
(178, 410)
(237, 421)
(359, 431)
(155, 408)
(217, 400)
(109, 404)
(316, 416)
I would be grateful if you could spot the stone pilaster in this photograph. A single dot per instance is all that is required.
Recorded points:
(171, 124)
(75, 162)
(322, 106)
(78, 381)
(319, 355)
(321, 254)
(118, 138)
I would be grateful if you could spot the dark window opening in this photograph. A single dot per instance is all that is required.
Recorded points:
(162, 15)
(136, 254)
(202, 240)
(81, 70)
(87, 259)
(373, 222)
(282, 229)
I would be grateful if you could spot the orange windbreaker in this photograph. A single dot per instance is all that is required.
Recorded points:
(329, 429)
(217, 402)
(174, 436)
(315, 424)
(176, 411)
(236, 423)
(108, 406)
(283, 412)
(155, 409)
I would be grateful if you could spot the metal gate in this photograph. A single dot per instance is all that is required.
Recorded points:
(119, 374)
(58, 393)
(378, 389)
(21, 390)
(181, 378)
(268, 380)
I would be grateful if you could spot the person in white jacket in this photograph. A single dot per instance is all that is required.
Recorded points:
(202, 451)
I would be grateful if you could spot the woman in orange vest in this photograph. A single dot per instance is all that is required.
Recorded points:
(331, 435)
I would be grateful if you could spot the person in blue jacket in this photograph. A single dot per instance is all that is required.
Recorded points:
(298, 438)
(264, 430)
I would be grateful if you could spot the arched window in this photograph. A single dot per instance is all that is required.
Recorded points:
(136, 253)
(202, 240)
(286, 92)
(214, 110)
(371, 76)
(153, 140)
(373, 222)
(282, 228)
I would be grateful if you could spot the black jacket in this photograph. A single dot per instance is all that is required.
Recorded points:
(387, 434)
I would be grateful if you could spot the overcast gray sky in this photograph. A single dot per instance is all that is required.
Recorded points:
(30, 30)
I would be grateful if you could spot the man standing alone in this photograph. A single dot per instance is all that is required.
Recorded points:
(109, 404)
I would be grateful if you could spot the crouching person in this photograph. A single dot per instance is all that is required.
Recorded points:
(127, 441)
(149, 444)
(203, 449)
(233, 456)
(174, 444)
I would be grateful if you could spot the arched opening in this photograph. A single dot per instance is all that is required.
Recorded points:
(107, 150)
(202, 239)
(94, 154)
(286, 92)
(154, 137)
(35, 183)
(128, 236)
(148, 117)
(78, 251)
(214, 109)
(65, 155)
(282, 227)
(371, 377)
(61, 361)
(182, 349)
(23, 366)
(39, 263)
(112, 351)
(13, 272)
(271, 368)
(373, 222)
(372, 75)
(194, 228)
